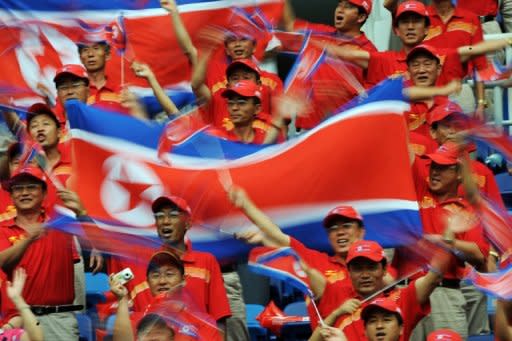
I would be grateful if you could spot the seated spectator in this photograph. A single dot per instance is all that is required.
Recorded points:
(244, 103)
(366, 264)
(30, 329)
(166, 279)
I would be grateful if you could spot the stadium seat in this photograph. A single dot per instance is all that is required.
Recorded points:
(489, 337)
(95, 286)
(256, 331)
(296, 309)
(85, 327)
(109, 325)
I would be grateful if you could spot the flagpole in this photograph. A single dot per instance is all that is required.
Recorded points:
(377, 293)
(320, 319)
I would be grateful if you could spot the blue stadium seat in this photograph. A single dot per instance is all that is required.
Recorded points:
(95, 286)
(296, 309)
(109, 325)
(85, 327)
(256, 331)
(489, 337)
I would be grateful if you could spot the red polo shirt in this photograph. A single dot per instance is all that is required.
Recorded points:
(419, 114)
(433, 216)
(353, 326)
(107, 97)
(202, 277)
(48, 262)
(260, 129)
(421, 144)
(486, 182)
(7, 209)
(480, 7)
(387, 64)
(462, 29)
(333, 268)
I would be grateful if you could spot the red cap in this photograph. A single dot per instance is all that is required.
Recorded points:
(365, 4)
(367, 249)
(383, 303)
(424, 48)
(72, 69)
(243, 88)
(171, 200)
(444, 335)
(445, 110)
(447, 154)
(246, 62)
(38, 109)
(341, 211)
(25, 172)
(411, 6)
(161, 258)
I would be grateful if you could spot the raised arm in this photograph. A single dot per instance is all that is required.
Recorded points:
(180, 30)
(122, 325)
(143, 70)
(418, 93)
(356, 56)
(288, 19)
(484, 47)
(11, 256)
(241, 200)
(33, 331)
(391, 5)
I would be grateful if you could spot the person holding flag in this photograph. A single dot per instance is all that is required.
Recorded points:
(171, 313)
(344, 226)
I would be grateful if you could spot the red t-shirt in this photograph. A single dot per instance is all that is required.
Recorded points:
(107, 97)
(202, 277)
(421, 144)
(353, 326)
(462, 29)
(480, 7)
(260, 129)
(419, 114)
(48, 262)
(7, 209)
(387, 64)
(333, 269)
(486, 182)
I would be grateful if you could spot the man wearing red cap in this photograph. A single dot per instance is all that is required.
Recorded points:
(344, 225)
(244, 103)
(450, 220)
(46, 255)
(366, 263)
(172, 309)
(202, 271)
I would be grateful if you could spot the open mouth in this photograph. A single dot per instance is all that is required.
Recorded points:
(380, 336)
(163, 289)
(239, 52)
(342, 242)
(422, 78)
(40, 138)
(410, 35)
(166, 232)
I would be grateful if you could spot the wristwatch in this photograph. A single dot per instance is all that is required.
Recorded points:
(483, 102)
(449, 240)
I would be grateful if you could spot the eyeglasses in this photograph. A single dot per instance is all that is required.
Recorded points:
(170, 215)
(72, 86)
(156, 275)
(343, 226)
(27, 187)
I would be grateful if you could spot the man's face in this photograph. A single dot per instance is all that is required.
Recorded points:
(347, 17)
(94, 57)
(443, 179)
(72, 87)
(239, 47)
(156, 333)
(171, 224)
(242, 73)
(411, 29)
(44, 130)
(367, 276)
(383, 325)
(343, 233)
(424, 70)
(163, 280)
(27, 194)
(242, 110)
(446, 128)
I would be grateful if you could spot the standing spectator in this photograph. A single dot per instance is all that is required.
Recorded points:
(46, 255)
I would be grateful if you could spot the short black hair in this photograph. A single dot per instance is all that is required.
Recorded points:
(421, 52)
(152, 320)
(240, 66)
(397, 20)
(104, 43)
(398, 316)
(383, 262)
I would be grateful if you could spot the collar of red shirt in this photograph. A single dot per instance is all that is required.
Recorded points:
(456, 13)
(337, 259)
(109, 85)
(12, 222)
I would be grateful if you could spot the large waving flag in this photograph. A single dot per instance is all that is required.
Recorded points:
(498, 284)
(359, 157)
(37, 37)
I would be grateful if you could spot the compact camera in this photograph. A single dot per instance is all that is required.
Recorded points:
(124, 276)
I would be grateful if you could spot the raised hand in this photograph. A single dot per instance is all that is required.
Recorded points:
(169, 6)
(117, 288)
(72, 201)
(142, 70)
(238, 197)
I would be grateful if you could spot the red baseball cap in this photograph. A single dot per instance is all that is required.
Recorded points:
(243, 62)
(24, 173)
(39, 109)
(425, 48)
(447, 154)
(411, 6)
(166, 257)
(243, 88)
(365, 4)
(443, 111)
(341, 211)
(367, 249)
(382, 303)
(444, 335)
(71, 69)
(173, 201)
